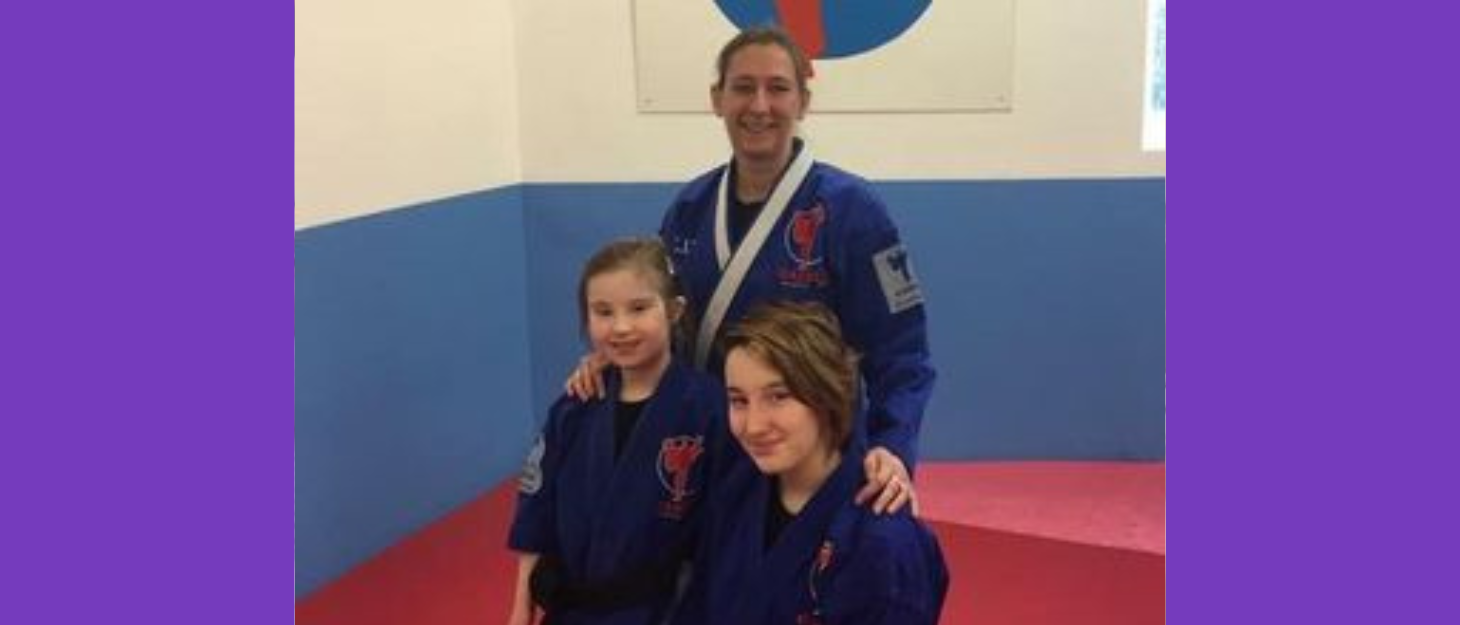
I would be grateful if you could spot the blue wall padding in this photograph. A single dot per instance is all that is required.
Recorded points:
(1046, 304)
(411, 387)
(1047, 312)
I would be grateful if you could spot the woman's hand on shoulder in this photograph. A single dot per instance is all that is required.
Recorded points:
(888, 487)
(586, 381)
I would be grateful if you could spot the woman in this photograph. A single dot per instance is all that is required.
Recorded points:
(773, 224)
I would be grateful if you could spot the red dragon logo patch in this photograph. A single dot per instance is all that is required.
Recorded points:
(677, 457)
(801, 237)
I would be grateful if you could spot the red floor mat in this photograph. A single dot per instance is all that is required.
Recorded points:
(1027, 543)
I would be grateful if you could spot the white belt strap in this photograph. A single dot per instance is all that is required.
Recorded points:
(739, 262)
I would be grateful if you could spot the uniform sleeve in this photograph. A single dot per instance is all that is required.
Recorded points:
(724, 450)
(880, 303)
(892, 583)
(534, 525)
(693, 606)
(720, 452)
(669, 225)
(890, 613)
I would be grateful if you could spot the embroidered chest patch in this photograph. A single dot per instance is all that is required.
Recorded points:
(802, 242)
(677, 458)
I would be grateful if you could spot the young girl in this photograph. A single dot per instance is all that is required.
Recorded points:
(611, 490)
(785, 543)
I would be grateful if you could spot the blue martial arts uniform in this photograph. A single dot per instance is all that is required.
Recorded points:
(605, 520)
(835, 244)
(836, 563)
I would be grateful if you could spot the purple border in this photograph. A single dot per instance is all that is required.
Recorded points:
(1218, 497)
(147, 335)
(147, 343)
(1312, 341)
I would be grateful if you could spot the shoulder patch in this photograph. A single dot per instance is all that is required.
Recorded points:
(531, 480)
(895, 274)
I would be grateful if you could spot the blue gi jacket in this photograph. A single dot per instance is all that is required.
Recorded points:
(834, 244)
(603, 518)
(835, 564)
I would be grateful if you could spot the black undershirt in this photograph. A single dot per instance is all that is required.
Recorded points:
(743, 214)
(740, 215)
(625, 415)
(777, 517)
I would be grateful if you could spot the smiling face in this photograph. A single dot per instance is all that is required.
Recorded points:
(782, 435)
(629, 320)
(761, 102)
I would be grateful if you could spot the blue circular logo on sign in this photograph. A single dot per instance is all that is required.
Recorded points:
(829, 30)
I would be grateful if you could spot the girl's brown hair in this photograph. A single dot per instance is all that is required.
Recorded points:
(648, 257)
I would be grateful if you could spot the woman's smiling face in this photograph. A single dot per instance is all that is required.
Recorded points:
(761, 103)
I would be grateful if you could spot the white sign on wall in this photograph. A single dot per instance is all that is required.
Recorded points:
(1153, 135)
(908, 56)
